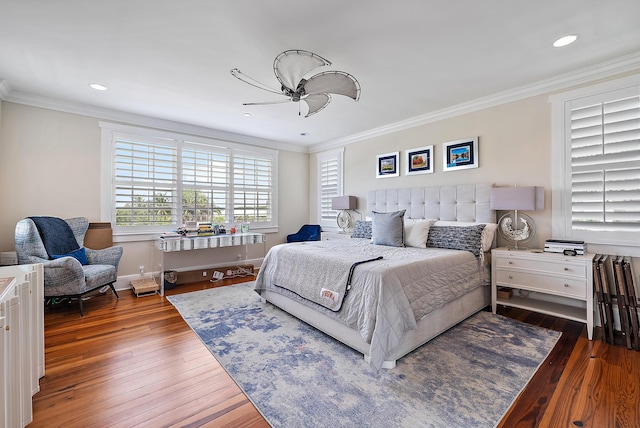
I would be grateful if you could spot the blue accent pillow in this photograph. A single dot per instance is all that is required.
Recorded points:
(457, 238)
(362, 229)
(388, 228)
(80, 254)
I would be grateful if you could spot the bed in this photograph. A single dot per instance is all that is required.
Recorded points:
(425, 268)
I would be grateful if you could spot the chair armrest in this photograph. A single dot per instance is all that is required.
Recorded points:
(106, 256)
(62, 271)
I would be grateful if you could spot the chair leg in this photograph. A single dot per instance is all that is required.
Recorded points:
(114, 290)
(81, 308)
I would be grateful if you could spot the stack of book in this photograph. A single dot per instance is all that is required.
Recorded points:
(560, 245)
(190, 229)
(205, 228)
(170, 235)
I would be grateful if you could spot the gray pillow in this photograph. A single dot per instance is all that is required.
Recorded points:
(388, 228)
(457, 238)
(362, 229)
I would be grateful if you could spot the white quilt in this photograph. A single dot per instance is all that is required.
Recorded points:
(388, 296)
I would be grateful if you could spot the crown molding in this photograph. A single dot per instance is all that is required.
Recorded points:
(5, 89)
(608, 69)
(564, 81)
(101, 113)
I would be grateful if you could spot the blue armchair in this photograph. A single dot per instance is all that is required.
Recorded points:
(67, 276)
(308, 232)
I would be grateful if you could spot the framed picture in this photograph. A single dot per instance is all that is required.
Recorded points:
(419, 160)
(387, 165)
(460, 154)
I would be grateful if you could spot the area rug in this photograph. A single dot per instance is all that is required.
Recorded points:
(298, 377)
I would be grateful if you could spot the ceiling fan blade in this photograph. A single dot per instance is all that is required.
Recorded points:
(291, 66)
(251, 81)
(316, 102)
(268, 102)
(334, 82)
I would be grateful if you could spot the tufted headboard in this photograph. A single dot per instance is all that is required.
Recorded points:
(462, 202)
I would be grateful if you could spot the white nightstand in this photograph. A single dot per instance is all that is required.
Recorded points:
(547, 283)
(332, 236)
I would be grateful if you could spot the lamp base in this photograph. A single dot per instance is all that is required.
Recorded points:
(518, 248)
(516, 228)
(344, 221)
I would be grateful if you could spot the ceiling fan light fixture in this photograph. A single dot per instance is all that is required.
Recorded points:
(565, 40)
(291, 66)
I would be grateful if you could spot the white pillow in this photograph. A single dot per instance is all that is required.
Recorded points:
(488, 232)
(416, 231)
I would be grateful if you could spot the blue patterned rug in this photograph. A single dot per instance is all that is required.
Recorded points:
(299, 377)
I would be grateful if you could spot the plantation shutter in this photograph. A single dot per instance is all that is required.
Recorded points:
(329, 185)
(252, 188)
(605, 162)
(145, 183)
(205, 183)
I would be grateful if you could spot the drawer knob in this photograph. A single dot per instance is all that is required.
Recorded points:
(510, 262)
(566, 268)
(7, 328)
(510, 276)
(566, 285)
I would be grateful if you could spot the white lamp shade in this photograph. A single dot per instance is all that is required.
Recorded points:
(343, 203)
(517, 198)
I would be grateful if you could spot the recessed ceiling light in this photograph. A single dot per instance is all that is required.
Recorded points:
(304, 134)
(565, 40)
(247, 114)
(98, 87)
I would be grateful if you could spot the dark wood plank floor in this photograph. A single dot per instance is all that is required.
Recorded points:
(134, 362)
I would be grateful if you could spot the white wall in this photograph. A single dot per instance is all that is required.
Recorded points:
(50, 165)
(514, 148)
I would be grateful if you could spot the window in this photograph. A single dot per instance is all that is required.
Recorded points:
(600, 184)
(157, 181)
(329, 185)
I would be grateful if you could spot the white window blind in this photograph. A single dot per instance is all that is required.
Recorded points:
(146, 185)
(205, 183)
(158, 181)
(605, 162)
(252, 189)
(329, 185)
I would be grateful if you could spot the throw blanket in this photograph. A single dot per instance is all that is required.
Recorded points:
(56, 235)
(324, 279)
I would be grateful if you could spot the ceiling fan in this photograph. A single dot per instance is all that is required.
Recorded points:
(290, 68)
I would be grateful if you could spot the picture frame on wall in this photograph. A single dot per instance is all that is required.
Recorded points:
(419, 160)
(460, 154)
(387, 165)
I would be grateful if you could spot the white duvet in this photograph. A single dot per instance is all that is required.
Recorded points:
(388, 296)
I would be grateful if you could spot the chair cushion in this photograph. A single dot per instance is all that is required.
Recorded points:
(99, 275)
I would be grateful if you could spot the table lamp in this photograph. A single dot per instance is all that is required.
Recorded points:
(517, 227)
(343, 203)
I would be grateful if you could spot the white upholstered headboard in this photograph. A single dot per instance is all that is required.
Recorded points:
(462, 202)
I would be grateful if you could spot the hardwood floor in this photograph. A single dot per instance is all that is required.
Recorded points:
(134, 362)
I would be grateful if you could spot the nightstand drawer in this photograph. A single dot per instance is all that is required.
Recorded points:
(564, 286)
(555, 267)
